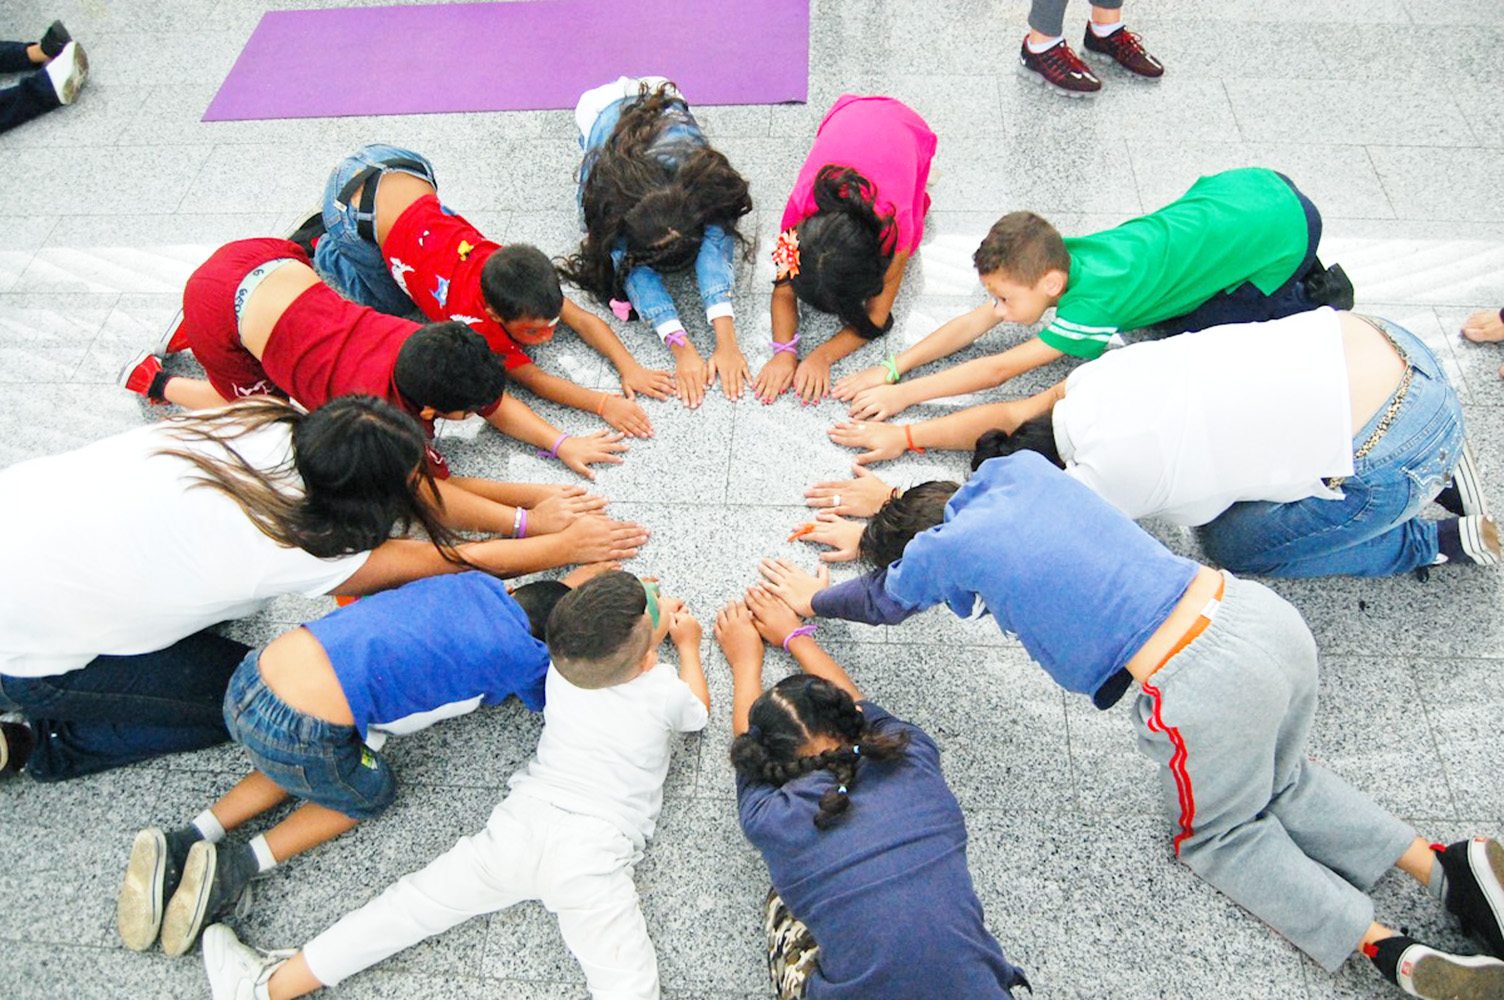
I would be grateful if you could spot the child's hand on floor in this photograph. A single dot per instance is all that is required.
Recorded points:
(776, 376)
(773, 618)
(882, 441)
(792, 585)
(648, 381)
(595, 539)
(737, 635)
(691, 375)
(868, 378)
(878, 403)
(729, 362)
(841, 535)
(812, 379)
(685, 629)
(582, 574)
(859, 497)
(579, 453)
(1485, 325)
(626, 416)
(559, 512)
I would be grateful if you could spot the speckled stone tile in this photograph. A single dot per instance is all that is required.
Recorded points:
(1323, 111)
(1439, 184)
(25, 234)
(102, 180)
(1223, 49)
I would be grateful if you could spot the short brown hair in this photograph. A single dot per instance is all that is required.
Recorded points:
(1023, 248)
(599, 632)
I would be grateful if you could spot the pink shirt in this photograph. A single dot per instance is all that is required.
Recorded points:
(887, 143)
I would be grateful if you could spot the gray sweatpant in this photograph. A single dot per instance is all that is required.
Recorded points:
(1227, 718)
(1048, 16)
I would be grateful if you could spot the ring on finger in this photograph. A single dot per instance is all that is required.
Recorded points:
(835, 501)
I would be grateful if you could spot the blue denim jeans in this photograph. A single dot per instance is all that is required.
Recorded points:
(354, 265)
(715, 261)
(315, 760)
(1373, 530)
(121, 709)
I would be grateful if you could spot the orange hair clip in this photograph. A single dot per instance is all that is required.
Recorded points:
(801, 531)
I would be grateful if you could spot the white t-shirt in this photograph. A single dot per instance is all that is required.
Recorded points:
(109, 549)
(605, 752)
(1183, 428)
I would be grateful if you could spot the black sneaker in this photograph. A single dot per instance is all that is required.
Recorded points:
(16, 742)
(151, 877)
(214, 885)
(1059, 68)
(53, 39)
(308, 232)
(1422, 971)
(1330, 287)
(1473, 539)
(1474, 891)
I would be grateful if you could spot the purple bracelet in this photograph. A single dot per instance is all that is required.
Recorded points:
(801, 630)
(554, 451)
(791, 347)
(677, 338)
(522, 522)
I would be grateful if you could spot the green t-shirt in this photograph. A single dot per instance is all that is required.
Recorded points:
(1236, 226)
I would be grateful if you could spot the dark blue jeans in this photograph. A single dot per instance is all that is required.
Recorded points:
(121, 709)
(1246, 304)
(31, 97)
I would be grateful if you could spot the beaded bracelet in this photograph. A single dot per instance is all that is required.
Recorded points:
(891, 363)
(554, 451)
(801, 630)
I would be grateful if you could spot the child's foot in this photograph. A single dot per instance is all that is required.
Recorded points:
(54, 39)
(1463, 496)
(143, 375)
(1126, 49)
(151, 877)
(173, 338)
(237, 971)
(1472, 539)
(68, 72)
(1059, 68)
(1422, 971)
(1474, 888)
(213, 883)
(16, 741)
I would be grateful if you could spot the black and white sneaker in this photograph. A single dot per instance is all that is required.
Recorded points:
(1422, 971)
(1463, 496)
(53, 39)
(151, 877)
(1473, 539)
(67, 72)
(214, 885)
(1474, 891)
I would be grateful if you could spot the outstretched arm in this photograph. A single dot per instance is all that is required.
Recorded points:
(983, 373)
(953, 432)
(598, 334)
(776, 621)
(778, 374)
(515, 418)
(949, 338)
(812, 380)
(621, 413)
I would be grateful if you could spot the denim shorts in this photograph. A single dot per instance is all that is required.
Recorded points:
(310, 758)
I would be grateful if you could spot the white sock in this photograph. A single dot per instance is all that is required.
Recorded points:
(263, 853)
(1038, 47)
(209, 827)
(1103, 30)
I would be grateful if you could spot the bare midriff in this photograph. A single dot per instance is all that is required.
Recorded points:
(297, 670)
(1151, 655)
(1374, 368)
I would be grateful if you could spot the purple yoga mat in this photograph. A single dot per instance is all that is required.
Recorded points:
(513, 56)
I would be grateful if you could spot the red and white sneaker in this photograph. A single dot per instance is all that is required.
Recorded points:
(173, 338)
(139, 373)
(1059, 68)
(1125, 48)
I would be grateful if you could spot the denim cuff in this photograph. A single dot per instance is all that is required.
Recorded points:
(715, 312)
(669, 327)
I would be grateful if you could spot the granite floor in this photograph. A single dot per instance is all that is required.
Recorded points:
(1388, 114)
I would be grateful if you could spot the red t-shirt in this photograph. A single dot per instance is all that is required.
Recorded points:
(436, 256)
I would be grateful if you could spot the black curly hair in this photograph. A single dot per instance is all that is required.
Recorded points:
(844, 249)
(1031, 435)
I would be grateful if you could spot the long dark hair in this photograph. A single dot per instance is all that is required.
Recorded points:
(845, 249)
(783, 721)
(660, 211)
(1031, 435)
(355, 471)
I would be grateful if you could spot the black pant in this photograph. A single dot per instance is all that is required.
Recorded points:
(1246, 304)
(121, 709)
(31, 97)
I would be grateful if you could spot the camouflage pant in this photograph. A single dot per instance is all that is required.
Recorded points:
(792, 953)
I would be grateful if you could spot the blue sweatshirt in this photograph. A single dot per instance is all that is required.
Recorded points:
(1080, 584)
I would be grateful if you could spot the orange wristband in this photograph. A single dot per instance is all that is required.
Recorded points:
(602, 408)
(908, 432)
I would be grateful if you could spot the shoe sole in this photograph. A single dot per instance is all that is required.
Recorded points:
(1485, 857)
(185, 913)
(1036, 77)
(124, 377)
(1105, 60)
(1469, 482)
(164, 345)
(1474, 542)
(1454, 977)
(138, 911)
(77, 74)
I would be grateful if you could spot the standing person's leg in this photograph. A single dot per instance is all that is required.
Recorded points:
(1048, 59)
(123, 709)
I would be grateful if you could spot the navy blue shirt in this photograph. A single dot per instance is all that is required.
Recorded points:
(1078, 582)
(885, 891)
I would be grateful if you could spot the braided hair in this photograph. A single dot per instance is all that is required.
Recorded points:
(788, 717)
(656, 199)
(845, 249)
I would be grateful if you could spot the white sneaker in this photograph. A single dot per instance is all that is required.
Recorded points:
(1435, 975)
(237, 971)
(68, 72)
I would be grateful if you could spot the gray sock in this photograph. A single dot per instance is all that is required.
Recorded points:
(1436, 885)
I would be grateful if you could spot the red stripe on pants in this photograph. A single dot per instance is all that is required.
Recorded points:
(1177, 768)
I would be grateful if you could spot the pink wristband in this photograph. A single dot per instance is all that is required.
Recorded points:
(801, 630)
(677, 338)
(554, 451)
(792, 347)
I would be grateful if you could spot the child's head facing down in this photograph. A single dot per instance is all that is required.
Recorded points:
(601, 634)
(448, 370)
(917, 509)
(804, 724)
(522, 293)
(1024, 265)
(844, 249)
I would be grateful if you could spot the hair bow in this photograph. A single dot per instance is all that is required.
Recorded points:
(786, 255)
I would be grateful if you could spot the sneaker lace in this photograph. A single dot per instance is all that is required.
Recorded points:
(1127, 40)
(1062, 60)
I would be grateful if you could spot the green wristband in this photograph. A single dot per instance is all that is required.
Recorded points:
(891, 363)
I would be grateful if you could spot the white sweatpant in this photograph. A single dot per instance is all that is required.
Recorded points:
(579, 867)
